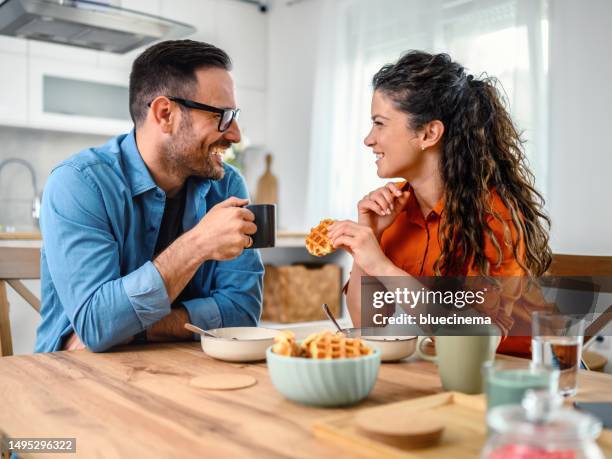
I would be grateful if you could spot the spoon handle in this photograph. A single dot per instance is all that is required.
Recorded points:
(331, 317)
(199, 331)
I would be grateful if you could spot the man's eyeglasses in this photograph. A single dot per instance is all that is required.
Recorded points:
(227, 114)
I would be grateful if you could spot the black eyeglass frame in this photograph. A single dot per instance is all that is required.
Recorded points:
(207, 108)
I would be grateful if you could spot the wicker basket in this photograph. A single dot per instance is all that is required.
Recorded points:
(295, 293)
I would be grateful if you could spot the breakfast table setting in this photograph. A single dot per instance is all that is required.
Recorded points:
(176, 400)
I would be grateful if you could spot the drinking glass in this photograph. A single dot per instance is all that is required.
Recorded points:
(507, 381)
(557, 343)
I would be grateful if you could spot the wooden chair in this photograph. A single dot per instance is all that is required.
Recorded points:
(584, 265)
(16, 264)
(580, 265)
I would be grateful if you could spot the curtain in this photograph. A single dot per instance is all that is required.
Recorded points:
(502, 38)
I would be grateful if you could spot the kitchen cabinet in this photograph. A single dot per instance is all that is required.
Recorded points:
(63, 53)
(78, 98)
(124, 61)
(13, 89)
(35, 76)
(13, 45)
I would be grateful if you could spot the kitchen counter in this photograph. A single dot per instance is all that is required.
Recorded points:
(20, 236)
(137, 402)
(284, 239)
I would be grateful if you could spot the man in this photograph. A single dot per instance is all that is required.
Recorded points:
(148, 232)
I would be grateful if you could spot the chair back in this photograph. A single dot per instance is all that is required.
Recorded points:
(16, 264)
(580, 265)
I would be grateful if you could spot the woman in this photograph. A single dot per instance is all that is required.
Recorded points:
(468, 205)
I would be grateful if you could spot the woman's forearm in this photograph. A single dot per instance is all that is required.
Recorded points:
(353, 294)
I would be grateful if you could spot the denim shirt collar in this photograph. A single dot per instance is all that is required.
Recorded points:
(141, 181)
(138, 175)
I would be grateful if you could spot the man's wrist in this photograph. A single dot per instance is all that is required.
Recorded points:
(194, 239)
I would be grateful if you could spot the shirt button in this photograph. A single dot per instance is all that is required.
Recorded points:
(158, 195)
(151, 229)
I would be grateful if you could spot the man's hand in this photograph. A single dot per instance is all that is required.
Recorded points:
(379, 208)
(225, 231)
(222, 234)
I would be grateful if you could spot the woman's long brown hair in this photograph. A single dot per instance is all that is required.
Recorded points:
(482, 152)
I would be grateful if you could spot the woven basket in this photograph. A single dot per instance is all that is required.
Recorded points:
(295, 293)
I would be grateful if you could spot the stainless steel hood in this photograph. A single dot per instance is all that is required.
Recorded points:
(86, 24)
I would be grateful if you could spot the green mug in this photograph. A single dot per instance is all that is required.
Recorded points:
(460, 359)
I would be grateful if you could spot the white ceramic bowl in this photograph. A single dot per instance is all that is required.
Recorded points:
(239, 344)
(392, 348)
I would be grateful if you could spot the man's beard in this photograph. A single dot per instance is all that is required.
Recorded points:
(186, 156)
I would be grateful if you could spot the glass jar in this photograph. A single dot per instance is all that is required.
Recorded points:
(541, 429)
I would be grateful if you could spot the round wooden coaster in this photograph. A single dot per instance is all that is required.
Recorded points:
(223, 381)
(404, 430)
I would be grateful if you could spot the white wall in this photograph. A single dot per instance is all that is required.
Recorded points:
(291, 58)
(580, 116)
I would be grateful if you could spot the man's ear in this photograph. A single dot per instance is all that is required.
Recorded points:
(431, 133)
(163, 113)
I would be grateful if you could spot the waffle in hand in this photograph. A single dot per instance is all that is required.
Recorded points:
(327, 345)
(285, 344)
(317, 241)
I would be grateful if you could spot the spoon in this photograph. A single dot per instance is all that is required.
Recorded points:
(200, 331)
(331, 317)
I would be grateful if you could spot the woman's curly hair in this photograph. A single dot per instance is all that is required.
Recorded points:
(482, 152)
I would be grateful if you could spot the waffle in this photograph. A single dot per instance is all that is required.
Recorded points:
(326, 345)
(285, 344)
(322, 345)
(317, 242)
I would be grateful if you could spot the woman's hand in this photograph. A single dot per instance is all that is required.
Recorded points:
(362, 244)
(379, 208)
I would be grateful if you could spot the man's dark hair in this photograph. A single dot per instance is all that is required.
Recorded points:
(168, 68)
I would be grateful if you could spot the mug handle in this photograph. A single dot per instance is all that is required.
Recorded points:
(420, 342)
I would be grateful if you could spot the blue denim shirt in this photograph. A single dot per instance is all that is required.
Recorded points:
(100, 218)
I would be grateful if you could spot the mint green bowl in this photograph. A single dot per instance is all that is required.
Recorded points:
(323, 382)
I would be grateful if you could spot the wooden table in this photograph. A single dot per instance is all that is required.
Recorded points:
(137, 402)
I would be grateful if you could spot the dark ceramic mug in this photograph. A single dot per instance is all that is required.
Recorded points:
(265, 220)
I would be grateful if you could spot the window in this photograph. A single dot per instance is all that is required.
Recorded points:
(504, 38)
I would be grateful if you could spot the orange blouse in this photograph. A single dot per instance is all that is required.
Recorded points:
(412, 242)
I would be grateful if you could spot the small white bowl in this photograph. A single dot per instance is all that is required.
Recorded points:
(392, 348)
(239, 344)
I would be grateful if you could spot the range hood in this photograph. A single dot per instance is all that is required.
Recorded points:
(86, 24)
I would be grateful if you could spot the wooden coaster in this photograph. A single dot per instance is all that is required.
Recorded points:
(223, 381)
(408, 429)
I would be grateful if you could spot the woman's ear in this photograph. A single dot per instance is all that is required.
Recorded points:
(431, 134)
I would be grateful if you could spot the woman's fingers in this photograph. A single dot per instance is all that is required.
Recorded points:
(382, 202)
(371, 205)
(388, 196)
(393, 188)
(343, 227)
(344, 242)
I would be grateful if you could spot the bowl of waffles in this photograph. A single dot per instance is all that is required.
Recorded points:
(325, 369)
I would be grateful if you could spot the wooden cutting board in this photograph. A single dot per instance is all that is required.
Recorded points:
(464, 435)
(267, 185)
